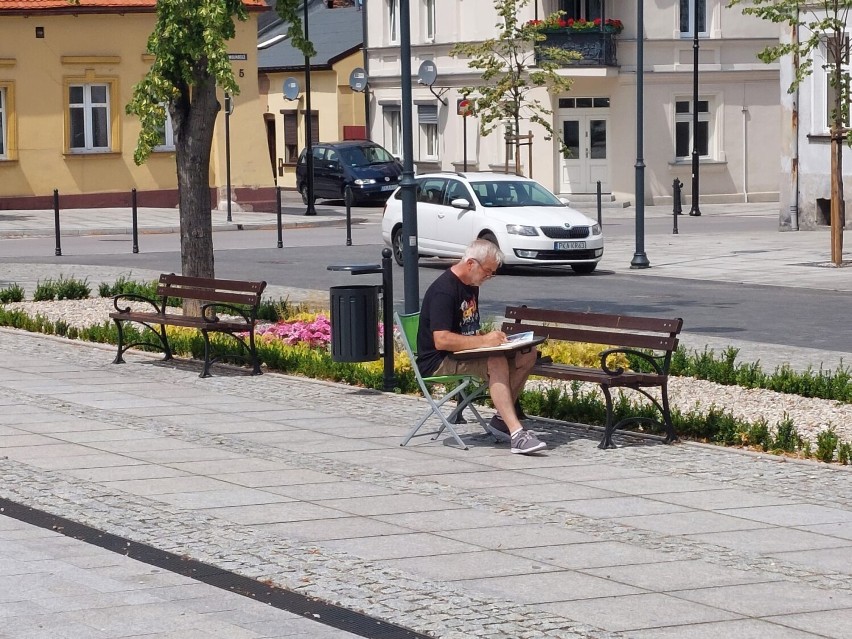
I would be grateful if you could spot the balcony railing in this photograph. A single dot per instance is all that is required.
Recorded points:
(596, 47)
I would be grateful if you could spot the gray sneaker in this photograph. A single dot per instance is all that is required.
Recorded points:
(497, 427)
(524, 443)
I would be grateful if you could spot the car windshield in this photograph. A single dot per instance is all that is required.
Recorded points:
(365, 155)
(504, 193)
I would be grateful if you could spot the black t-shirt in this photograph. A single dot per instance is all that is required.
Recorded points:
(449, 305)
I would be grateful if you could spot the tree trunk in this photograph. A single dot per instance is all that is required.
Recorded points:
(838, 205)
(194, 115)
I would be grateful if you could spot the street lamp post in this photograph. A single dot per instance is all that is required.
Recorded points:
(411, 276)
(640, 260)
(309, 155)
(694, 210)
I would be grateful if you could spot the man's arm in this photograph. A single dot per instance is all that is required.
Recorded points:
(449, 341)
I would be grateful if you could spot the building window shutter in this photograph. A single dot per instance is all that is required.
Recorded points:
(427, 114)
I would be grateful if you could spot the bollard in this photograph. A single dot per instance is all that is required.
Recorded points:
(676, 206)
(278, 213)
(135, 221)
(347, 199)
(58, 250)
(600, 223)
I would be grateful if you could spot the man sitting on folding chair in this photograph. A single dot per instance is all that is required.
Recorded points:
(449, 322)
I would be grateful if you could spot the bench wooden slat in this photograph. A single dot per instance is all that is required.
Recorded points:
(172, 319)
(610, 338)
(208, 295)
(628, 378)
(579, 318)
(202, 282)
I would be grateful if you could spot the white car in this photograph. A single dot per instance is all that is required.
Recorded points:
(529, 224)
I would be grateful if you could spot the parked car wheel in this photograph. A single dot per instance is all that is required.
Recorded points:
(304, 192)
(397, 245)
(585, 268)
(349, 198)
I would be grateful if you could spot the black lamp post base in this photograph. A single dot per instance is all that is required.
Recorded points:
(640, 260)
(310, 210)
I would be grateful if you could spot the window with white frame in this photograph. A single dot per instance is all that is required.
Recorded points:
(393, 21)
(429, 20)
(4, 144)
(693, 14)
(508, 142)
(167, 134)
(684, 124)
(825, 63)
(393, 129)
(427, 118)
(89, 118)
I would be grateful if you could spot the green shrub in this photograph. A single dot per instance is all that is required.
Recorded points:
(44, 291)
(125, 286)
(12, 293)
(826, 444)
(844, 453)
(724, 369)
(64, 288)
(786, 436)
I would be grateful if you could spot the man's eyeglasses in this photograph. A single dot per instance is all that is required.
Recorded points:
(488, 271)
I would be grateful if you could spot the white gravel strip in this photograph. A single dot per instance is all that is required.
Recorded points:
(809, 415)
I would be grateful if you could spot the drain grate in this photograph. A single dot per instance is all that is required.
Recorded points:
(320, 611)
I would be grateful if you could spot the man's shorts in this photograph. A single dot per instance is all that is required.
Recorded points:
(477, 367)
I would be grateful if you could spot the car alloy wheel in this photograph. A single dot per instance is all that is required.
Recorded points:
(397, 246)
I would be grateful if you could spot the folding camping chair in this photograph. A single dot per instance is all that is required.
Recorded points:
(466, 387)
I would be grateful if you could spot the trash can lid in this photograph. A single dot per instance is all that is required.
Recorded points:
(356, 269)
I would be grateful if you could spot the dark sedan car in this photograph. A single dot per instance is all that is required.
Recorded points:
(354, 170)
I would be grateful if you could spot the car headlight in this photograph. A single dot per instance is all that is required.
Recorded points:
(520, 229)
(596, 229)
(363, 181)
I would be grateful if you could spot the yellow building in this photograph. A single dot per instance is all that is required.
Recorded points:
(66, 73)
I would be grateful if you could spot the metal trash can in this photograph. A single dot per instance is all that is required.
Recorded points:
(355, 323)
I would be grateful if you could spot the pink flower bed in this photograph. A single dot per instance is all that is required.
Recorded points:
(316, 333)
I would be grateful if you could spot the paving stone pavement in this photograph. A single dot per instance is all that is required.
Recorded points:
(302, 483)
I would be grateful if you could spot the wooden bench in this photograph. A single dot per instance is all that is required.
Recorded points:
(239, 300)
(651, 339)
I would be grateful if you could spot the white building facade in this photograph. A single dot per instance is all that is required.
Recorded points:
(738, 101)
(805, 193)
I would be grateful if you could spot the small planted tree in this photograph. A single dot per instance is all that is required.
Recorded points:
(189, 45)
(513, 64)
(816, 24)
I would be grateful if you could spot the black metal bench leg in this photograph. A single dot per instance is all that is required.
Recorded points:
(164, 340)
(206, 370)
(118, 357)
(607, 442)
(671, 435)
(254, 357)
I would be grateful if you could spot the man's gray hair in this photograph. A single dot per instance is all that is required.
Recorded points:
(481, 250)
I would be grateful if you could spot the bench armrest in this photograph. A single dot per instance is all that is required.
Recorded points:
(130, 297)
(628, 351)
(232, 310)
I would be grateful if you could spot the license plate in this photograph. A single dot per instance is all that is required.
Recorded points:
(567, 246)
(389, 187)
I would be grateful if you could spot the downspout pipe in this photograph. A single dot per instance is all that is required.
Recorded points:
(794, 164)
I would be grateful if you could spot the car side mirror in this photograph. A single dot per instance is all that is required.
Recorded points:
(334, 165)
(461, 203)
(564, 201)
